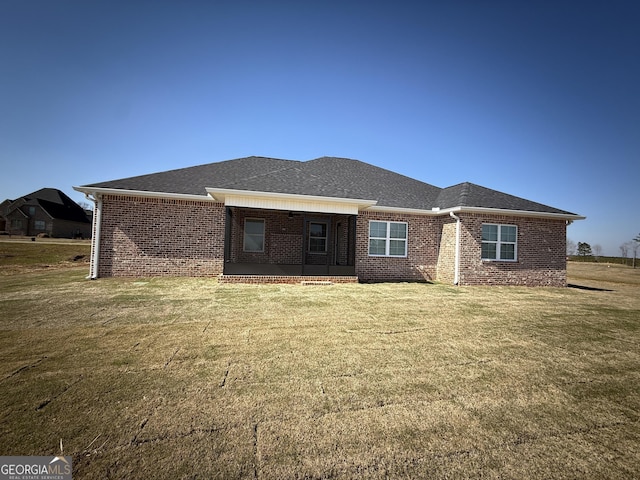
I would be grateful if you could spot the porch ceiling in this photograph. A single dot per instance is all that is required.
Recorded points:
(289, 202)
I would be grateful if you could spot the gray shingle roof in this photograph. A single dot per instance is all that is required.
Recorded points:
(471, 195)
(325, 176)
(57, 204)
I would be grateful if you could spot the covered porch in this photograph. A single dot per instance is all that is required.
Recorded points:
(275, 243)
(274, 237)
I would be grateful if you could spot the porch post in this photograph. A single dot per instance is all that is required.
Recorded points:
(227, 236)
(353, 236)
(303, 260)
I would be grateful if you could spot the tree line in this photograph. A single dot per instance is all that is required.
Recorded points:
(583, 249)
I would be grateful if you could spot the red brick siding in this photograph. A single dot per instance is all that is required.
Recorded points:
(68, 229)
(288, 279)
(143, 236)
(282, 238)
(149, 237)
(541, 253)
(422, 249)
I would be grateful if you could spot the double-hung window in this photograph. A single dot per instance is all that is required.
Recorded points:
(317, 237)
(254, 235)
(499, 242)
(387, 239)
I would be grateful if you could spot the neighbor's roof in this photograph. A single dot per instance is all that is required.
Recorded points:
(323, 177)
(56, 204)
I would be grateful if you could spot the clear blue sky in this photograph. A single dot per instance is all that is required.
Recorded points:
(536, 99)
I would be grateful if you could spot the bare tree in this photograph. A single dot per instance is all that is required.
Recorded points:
(597, 251)
(571, 247)
(85, 205)
(624, 250)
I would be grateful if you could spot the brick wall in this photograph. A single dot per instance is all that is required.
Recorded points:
(287, 279)
(149, 237)
(69, 229)
(447, 253)
(282, 237)
(541, 258)
(422, 249)
(143, 236)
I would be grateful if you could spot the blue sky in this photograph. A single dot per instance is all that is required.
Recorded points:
(536, 99)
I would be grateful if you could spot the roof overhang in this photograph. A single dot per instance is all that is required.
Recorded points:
(478, 210)
(289, 201)
(98, 191)
(313, 203)
(511, 213)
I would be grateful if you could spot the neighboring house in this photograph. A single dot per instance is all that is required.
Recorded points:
(330, 219)
(47, 211)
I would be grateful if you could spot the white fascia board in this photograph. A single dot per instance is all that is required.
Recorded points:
(408, 211)
(141, 193)
(511, 213)
(477, 210)
(289, 201)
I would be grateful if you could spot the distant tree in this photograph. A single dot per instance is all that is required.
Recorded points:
(571, 247)
(624, 250)
(86, 205)
(635, 244)
(597, 251)
(584, 249)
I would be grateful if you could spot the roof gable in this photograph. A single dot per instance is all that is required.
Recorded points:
(56, 204)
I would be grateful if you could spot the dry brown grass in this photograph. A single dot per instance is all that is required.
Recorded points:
(185, 378)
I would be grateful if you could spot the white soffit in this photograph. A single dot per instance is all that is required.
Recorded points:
(289, 202)
(142, 193)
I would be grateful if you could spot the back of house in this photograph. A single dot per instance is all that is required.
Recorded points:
(258, 219)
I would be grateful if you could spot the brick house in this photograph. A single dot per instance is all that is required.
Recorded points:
(332, 219)
(46, 211)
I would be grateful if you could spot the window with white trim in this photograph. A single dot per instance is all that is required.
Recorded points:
(254, 235)
(387, 239)
(499, 242)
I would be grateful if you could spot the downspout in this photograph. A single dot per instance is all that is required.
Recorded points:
(95, 241)
(456, 264)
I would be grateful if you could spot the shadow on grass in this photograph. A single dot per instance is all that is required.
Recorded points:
(591, 289)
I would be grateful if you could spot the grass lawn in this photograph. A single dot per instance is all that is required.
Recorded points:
(185, 378)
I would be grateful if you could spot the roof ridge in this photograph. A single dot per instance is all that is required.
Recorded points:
(466, 187)
(370, 165)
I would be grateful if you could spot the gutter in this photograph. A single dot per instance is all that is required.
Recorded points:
(456, 267)
(95, 241)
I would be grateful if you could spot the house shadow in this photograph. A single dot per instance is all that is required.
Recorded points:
(591, 289)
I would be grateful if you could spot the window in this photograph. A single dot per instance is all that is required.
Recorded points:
(317, 237)
(254, 235)
(39, 224)
(32, 211)
(387, 239)
(499, 242)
